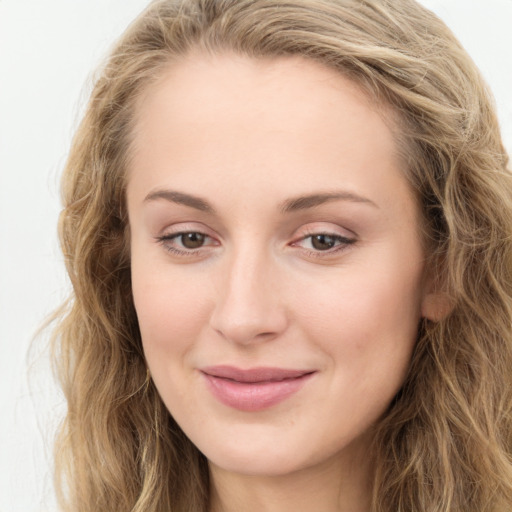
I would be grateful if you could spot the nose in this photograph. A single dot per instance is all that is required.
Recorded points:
(249, 307)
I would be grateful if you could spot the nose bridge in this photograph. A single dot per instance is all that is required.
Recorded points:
(248, 301)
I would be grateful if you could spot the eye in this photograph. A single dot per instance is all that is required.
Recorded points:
(191, 240)
(186, 243)
(329, 243)
(323, 242)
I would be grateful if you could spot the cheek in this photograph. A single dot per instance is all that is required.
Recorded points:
(171, 310)
(171, 314)
(366, 318)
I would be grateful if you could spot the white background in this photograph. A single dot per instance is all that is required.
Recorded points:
(48, 50)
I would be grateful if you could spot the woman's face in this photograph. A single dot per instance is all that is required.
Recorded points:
(277, 265)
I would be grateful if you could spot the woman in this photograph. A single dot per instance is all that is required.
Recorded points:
(288, 228)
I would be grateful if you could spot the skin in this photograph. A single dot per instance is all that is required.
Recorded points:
(248, 137)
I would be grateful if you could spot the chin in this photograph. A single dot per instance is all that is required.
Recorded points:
(267, 456)
(269, 464)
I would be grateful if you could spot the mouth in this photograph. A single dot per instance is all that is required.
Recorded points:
(254, 389)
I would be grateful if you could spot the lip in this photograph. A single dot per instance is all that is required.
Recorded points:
(254, 389)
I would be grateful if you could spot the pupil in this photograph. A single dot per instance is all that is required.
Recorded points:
(192, 240)
(323, 242)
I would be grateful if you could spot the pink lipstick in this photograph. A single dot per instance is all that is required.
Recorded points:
(253, 389)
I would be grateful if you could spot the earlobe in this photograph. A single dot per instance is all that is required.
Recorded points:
(436, 306)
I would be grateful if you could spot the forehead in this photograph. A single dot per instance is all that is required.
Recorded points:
(213, 119)
(200, 87)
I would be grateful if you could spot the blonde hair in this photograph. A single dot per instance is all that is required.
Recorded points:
(445, 443)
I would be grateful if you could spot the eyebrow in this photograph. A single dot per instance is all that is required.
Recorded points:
(312, 200)
(290, 205)
(181, 198)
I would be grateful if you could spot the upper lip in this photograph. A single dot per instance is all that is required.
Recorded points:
(253, 375)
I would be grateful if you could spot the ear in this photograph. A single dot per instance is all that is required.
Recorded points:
(436, 306)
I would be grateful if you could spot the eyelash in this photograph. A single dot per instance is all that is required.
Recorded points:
(165, 240)
(342, 244)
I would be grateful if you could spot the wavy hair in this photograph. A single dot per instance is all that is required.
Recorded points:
(445, 444)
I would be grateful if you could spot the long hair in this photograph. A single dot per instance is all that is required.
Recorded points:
(445, 443)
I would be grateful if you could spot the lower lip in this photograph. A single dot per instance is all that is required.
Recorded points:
(254, 396)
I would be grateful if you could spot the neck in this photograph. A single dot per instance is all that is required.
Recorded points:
(331, 487)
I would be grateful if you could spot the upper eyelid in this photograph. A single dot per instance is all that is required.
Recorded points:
(177, 234)
(309, 230)
(304, 231)
(187, 227)
(343, 239)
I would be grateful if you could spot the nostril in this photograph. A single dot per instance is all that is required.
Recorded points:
(250, 328)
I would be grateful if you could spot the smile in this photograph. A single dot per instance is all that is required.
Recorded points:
(253, 389)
